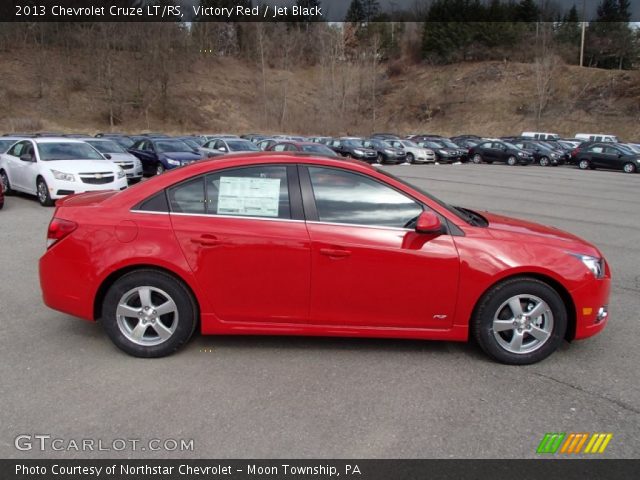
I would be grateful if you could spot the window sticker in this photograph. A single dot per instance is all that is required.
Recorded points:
(257, 197)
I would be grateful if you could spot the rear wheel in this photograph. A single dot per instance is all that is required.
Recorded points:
(6, 185)
(410, 158)
(520, 321)
(544, 161)
(380, 159)
(147, 313)
(583, 164)
(477, 158)
(512, 160)
(629, 168)
(43, 193)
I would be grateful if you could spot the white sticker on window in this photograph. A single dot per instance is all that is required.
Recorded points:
(256, 197)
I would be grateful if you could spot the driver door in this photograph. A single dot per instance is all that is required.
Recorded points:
(367, 268)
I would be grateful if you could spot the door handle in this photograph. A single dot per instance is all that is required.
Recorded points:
(335, 252)
(206, 240)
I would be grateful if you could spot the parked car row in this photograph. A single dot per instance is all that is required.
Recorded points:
(52, 165)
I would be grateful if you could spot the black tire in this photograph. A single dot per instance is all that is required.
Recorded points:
(6, 185)
(380, 159)
(410, 158)
(492, 305)
(42, 192)
(584, 164)
(512, 160)
(629, 168)
(175, 290)
(544, 161)
(477, 159)
(159, 168)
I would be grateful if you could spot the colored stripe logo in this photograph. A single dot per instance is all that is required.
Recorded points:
(574, 443)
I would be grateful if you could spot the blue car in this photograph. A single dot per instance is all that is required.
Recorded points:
(160, 154)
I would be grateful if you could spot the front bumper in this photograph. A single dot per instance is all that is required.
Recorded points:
(592, 307)
(61, 188)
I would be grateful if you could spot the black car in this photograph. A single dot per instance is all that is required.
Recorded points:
(385, 136)
(499, 151)
(607, 155)
(443, 153)
(387, 153)
(542, 153)
(352, 147)
(160, 154)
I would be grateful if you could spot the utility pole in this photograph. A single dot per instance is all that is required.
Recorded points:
(584, 25)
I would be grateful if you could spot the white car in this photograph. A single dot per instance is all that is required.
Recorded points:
(113, 151)
(415, 153)
(52, 168)
(220, 146)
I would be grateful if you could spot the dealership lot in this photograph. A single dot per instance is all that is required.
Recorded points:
(316, 397)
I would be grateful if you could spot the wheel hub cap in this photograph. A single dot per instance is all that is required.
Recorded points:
(523, 324)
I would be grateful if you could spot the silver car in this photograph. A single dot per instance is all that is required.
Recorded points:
(415, 153)
(118, 155)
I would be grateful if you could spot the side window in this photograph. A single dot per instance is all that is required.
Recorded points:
(596, 149)
(497, 145)
(261, 191)
(188, 197)
(279, 148)
(17, 149)
(485, 145)
(291, 148)
(612, 151)
(345, 197)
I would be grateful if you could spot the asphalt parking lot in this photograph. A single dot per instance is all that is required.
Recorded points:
(281, 397)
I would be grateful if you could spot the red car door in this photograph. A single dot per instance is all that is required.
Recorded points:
(243, 235)
(368, 269)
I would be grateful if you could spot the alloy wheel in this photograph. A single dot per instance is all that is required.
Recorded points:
(147, 316)
(523, 324)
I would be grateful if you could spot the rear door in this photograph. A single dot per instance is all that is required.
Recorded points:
(243, 234)
(369, 267)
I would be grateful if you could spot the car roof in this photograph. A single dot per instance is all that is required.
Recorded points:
(56, 140)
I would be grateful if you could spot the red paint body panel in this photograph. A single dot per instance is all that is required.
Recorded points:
(310, 278)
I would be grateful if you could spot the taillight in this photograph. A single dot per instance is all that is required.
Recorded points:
(575, 152)
(58, 229)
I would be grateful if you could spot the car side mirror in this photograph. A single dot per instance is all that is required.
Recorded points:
(428, 222)
(619, 155)
(107, 156)
(222, 149)
(27, 157)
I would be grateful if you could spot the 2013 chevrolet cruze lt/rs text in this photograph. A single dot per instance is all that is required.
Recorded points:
(291, 244)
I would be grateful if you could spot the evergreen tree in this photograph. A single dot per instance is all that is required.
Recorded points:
(355, 14)
(610, 40)
(569, 27)
(527, 11)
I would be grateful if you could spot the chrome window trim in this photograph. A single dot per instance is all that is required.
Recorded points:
(239, 217)
(401, 229)
(149, 212)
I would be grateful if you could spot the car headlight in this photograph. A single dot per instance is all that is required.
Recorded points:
(121, 173)
(175, 163)
(520, 154)
(554, 155)
(442, 152)
(67, 177)
(390, 152)
(594, 264)
(428, 152)
(358, 152)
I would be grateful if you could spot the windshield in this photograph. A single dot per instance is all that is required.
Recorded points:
(67, 151)
(123, 141)
(5, 144)
(242, 146)
(431, 144)
(408, 143)
(354, 143)
(319, 148)
(449, 143)
(106, 146)
(511, 145)
(172, 146)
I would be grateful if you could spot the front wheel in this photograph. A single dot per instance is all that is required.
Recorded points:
(159, 169)
(520, 321)
(544, 161)
(410, 158)
(379, 159)
(44, 197)
(512, 160)
(148, 313)
(6, 185)
(629, 168)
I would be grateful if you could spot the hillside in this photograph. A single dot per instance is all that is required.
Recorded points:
(60, 92)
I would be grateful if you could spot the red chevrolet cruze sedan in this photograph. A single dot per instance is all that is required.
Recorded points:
(292, 244)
